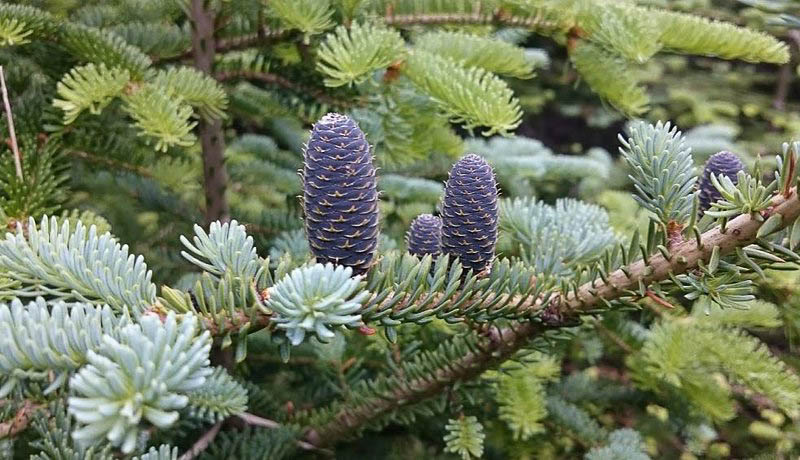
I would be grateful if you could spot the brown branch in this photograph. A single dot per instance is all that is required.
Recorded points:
(495, 18)
(255, 420)
(264, 36)
(267, 35)
(610, 335)
(11, 133)
(202, 444)
(111, 163)
(215, 175)
(496, 348)
(20, 421)
(274, 79)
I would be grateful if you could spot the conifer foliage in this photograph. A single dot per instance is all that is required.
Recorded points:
(430, 286)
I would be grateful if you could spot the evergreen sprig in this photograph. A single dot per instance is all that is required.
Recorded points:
(226, 247)
(350, 55)
(470, 96)
(41, 338)
(311, 300)
(464, 437)
(220, 397)
(556, 239)
(492, 55)
(686, 354)
(143, 374)
(693, 34)
(91, 88)
(663, 170)
(161, 116)
(308, 16)
(51, 259)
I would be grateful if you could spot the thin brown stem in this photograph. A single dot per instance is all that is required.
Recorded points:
(111, 163)
(215, 174)
(255, 420)
(277, 80)
(20, 421)
(11, 133)
(202, 444)
(614, 338)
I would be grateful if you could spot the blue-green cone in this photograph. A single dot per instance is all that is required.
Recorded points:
(469, 213)
(340, 195)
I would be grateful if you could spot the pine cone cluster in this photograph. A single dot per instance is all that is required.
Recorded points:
(340, 195)
(425, 236)
(470, 213)
(340, 203)
(723, 163)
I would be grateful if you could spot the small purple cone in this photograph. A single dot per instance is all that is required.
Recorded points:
(340, 194)
(723, 163)
(469, 213)
(425, 236)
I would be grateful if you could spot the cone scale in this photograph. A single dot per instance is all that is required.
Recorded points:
(340, 195)
(470, 213)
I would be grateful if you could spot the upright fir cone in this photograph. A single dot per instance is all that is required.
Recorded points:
(469, 213)
(340, 195)
(722, 163)
(425, 236)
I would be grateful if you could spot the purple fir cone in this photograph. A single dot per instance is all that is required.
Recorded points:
(340, 195)
(425, 236)
(469, 213)
(723, 163)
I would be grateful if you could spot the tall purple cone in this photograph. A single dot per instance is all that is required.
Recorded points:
(723, 163)
(340, 195)
(425, 236)
(469, 213)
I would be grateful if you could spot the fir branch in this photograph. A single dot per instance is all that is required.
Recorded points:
(283, 82)
(688, 33)
(202, 443)
(491, 54)
(471, 96)
(503, 343)
(111, 163)
(51, 259)
(351, 54)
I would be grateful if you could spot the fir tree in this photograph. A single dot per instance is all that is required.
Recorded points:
(154, 164)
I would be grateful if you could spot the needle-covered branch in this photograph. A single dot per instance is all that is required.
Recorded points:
(391, 393)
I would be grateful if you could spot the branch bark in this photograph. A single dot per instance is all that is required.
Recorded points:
(215, 175)
(498, 347)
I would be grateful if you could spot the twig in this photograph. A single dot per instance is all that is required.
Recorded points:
(278, 80)
(202, 443)
(12, 134)
(613, 337)
(20, 421)
(92, 158)
(659, 300)
(255, 420)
